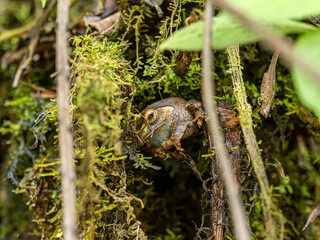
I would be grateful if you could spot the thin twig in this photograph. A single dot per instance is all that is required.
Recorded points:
(217, 197)
(65, 134)
(176, 2)
(27, 59)
(8, 34)
(37, 122)
(35, 36)
(237, 210)
(314, 214)
(38, 88)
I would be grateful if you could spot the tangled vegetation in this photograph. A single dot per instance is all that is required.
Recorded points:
(122, 191)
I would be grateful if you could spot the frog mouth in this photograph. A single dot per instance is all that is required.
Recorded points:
(146, 131)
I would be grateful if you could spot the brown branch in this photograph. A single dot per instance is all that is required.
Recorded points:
(217, 196)
(26, 60)
(45, 92)
(274, 41)
(8, 34)
(65, 134)
(13, 56)
(34, 35)
(237, 210)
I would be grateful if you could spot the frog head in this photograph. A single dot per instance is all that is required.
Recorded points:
(156, 124)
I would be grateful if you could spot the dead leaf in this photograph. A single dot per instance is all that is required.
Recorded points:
(106, 25)
(109, 7)
(268, 89)
(314, 214)
(192, 18)
(43, 95)
(13, 56)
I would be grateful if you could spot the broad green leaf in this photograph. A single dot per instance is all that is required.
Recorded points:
(189, 38)
(277, 14)
(226, 32)
(308, 90)
(277, 9)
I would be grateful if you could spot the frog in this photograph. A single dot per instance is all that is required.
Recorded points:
(165, 123)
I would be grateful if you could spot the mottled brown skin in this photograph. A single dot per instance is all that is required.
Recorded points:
(167, 122)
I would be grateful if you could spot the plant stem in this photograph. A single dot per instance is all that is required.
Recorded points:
(270, 212)
(65, 134)
(237, 210)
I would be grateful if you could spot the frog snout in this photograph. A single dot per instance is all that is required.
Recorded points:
(144, 131)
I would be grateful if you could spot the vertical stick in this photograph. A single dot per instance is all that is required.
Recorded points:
(217, 197)
(237, 210)
(65, 135)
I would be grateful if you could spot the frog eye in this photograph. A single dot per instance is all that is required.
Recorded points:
(151, 116)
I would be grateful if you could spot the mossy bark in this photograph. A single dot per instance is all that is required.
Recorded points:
(273, 223)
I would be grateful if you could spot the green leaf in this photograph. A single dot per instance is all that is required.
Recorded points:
(226, 31)
(277, 14)
(308, 90)
(43, 3)
(277, 9)
(188, 38)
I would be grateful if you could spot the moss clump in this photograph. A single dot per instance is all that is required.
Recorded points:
(101, 96)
